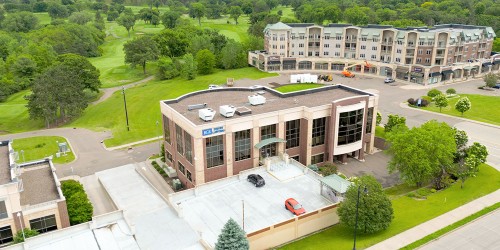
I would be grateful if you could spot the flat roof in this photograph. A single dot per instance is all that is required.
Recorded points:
(209, 209)
(275, 101)
(38, 183)
(4, 165)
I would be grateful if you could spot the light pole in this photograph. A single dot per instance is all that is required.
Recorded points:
(365, 190)
(160, 140)
(125, 104)
(22, 154)
(21, 224)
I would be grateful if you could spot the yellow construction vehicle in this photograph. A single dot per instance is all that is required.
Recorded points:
(347, 73)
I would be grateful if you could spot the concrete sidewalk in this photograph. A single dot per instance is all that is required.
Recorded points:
(431, 226)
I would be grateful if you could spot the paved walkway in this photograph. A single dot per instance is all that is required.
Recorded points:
(107, 92)
(431, 226)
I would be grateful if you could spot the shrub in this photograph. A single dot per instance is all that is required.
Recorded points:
(424, 103)
(393, 121)
(379, 118)
(80, 209)
(71, 187)
(427, 98)
(18, 238)
(328, 169)
(451, 91)
(412, 101)
(433, 92)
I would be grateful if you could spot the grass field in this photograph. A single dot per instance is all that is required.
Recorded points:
(287, 11)
(237, 32)
(297, 87)
(483, 109)
(451, 227)
(43, 17)
(39, 147)
(144, 108)
(408, 212)
(14, 116)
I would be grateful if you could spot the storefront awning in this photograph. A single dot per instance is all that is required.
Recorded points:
(434, 74)
(273, 62)
(496, 62)
(445, 72)
(468, 67)
(268, 141)
(486, 64)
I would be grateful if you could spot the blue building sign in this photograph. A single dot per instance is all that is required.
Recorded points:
(210, 131)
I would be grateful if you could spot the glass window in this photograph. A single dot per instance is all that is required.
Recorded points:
(297, 158)
(318, 131)
(188, 175)
(292, 133)
(214, 150)
(169, 156)
(188, 147)
(266, 132)
(369, 119)
(178, 139)
(317, 158)
(5, 235)
(350, 127)
(166, 129)
(181, 167)
(44, 224)
(242, 146)
(3, 210)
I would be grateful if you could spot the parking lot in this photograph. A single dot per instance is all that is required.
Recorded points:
(207, 212)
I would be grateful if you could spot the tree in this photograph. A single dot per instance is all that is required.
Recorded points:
(80, 209)
(232, 237)
(28, 233)
(20, 22)
(205, 60)
(441, 101)
(375, 211)
(393, 121)
(197, 10)
(80, 17)
(112, 15)
(127, 21)
(451, 91)
(57, 10)
(189, 67)
(332, 13)
(235, 12)
(467, 167)
(434, 92)
(167, 69)
(463, 105)
(141, 50)
(379, 118)
(496, 44)
(81, 68)
(233, 56)
(169, 19)
(422, 153)
(490, 79)
(172, 43)
(357, 15)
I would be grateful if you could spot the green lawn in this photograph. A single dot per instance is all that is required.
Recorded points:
(39, 147)
(14, 116)
(451, 227)
(297, 87)
(144, 108)
(408, 213)
(380, 132)
(238, 32)
(43, 17)
(287, 11)
(484, 108)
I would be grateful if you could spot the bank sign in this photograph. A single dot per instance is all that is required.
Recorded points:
(211, 131)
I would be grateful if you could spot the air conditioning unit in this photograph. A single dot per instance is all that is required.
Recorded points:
(227, 110)
(256, 100)
(206, 114)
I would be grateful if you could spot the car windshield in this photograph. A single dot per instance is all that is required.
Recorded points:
(297, 206)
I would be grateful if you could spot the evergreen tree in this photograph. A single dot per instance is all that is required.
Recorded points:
(232, 237)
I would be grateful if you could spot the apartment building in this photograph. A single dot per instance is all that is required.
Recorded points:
(30, 196)
(313, 126)
(423, 55)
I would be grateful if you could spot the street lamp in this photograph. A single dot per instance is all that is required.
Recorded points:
(21, 224)
(125, 104)
(365, 190)
(160, 140)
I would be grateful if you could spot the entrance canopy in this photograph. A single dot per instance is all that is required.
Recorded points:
(268, 141)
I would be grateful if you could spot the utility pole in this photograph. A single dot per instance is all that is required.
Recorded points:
(125, 103)
(243, 206)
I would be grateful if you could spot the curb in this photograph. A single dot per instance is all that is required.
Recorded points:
(132, 144)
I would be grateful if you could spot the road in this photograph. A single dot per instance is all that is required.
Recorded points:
(483, 233)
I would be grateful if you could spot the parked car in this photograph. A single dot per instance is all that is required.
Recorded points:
(293, 206)
(256, 179)
(497, 86)
(389, 80)
(213, 86)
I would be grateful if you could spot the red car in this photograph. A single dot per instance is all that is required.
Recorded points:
(293, 206)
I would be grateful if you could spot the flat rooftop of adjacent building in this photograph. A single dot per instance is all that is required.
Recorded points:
(4, 165)
(275, 101)
(214, 203)
(38, 183)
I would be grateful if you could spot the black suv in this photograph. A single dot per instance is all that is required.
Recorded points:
(256, 179)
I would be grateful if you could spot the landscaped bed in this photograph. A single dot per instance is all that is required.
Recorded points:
(408, 212)
(39, 147)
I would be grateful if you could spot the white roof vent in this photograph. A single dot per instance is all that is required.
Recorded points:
(206, 114)
(227, 110)
(256, 99)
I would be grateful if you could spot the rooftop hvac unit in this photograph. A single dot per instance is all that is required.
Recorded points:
(227, 110)
(177, 184)
(206, 114)
(197, 106)
(243, 111)
(256, 99)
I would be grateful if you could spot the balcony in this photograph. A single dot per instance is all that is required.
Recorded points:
(440, 55)
(386, 52)
(410, 54)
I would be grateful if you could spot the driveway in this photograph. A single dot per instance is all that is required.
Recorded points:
(375, 165)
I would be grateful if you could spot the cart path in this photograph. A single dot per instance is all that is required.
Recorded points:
(109, 91)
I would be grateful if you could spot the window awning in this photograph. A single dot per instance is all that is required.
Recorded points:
(468, 67)
(268, 141)
(445, 72)
(497, 61)
(273, 62)
(433, 74)
(486, 64)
